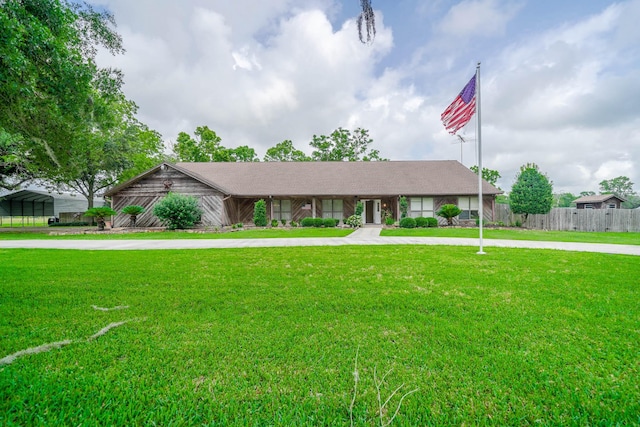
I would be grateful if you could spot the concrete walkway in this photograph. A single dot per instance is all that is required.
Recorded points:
(363, 236)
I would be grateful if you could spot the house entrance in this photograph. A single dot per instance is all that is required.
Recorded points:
(371, 214)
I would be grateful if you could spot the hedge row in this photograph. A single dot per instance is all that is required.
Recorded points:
(419, 222)
(318, 222)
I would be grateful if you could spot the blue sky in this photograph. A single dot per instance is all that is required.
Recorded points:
(559, 78)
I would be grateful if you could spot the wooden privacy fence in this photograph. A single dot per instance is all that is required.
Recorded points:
(566, 219)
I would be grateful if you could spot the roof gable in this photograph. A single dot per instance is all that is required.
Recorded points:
(156, 169)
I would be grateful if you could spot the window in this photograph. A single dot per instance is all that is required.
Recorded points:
(332, 208)
(612, 206)
(588, 206)
(282, 210)
(469, 207)
(421, 206)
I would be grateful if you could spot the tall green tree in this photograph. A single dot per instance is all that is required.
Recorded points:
(48, 73)
(620, 186)
(112, 145)
(532, 192)
(147, 150)
(342, 145)
(206, 146)
(489, 175)
(14, 170)
(285, 152)
(244, 153)
(564, 200)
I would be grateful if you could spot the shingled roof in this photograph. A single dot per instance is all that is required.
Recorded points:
(436, 177)
(598, 198)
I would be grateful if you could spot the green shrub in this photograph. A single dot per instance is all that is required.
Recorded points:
(449, 212)
(100, 214)
(239, 225)
(432, 222)
(354, 221)
(330, 222)
(133, 211)
(359, 208)
(284, 222)
(307, 222)
(178, 211)
(260, 213)
(407, 223)
(404, 207)
(293, 223)
(274, 223)
(422, 222)
(389, 220)
(318, 222)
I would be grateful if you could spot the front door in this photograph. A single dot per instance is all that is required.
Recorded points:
(372, 213)
(368, 212)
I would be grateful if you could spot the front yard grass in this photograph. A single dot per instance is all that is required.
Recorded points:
(518, 234)
(248, 233)
(270, 336)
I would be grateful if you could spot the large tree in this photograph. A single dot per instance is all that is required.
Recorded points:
(48, 73)
(564, 200)
(490, 175)
(205, 146)
(285, 152)
(620, 186)
(112, 146)
(532, 192)
(342, 145)
(13, 168)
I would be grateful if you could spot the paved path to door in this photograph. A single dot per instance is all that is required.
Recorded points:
(362, 236)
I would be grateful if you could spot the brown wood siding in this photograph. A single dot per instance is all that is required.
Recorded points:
(148, 191)
(244, 210)
(297, 211)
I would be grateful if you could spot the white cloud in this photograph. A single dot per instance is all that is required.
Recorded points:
(260, 72)
(483, 18)
(566, 101)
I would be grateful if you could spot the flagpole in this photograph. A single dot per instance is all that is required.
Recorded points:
(479, 140)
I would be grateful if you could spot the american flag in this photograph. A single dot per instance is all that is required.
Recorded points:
(461, 109)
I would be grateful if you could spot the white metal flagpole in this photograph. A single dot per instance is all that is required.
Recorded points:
(479, 139)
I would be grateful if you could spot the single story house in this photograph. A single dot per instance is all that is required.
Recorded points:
(600, 201)
(295, 190)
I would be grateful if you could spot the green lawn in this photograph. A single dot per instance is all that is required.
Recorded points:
(251, 233)
(270, 336)
(520, 234)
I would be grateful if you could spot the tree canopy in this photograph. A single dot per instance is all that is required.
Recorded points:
(342, 145)
(489, 175)
(564, 200)
(532, 192)
(206, 147)
(111, 147)
(620, 186)
(48, 73)
(285, 152)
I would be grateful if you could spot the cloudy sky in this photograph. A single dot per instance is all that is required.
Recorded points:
(560, 78)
